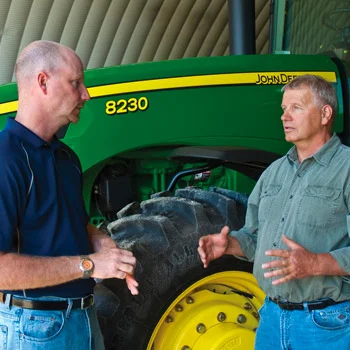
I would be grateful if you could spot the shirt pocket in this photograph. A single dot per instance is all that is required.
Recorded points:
(318, 205)
(267, 198)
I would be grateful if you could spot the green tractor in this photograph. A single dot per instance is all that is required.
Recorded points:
(170, 151)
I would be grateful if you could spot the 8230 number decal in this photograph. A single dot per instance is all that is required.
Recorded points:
(124, 106)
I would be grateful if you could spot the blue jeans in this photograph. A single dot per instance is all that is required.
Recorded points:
(327, 329)
(27, 329)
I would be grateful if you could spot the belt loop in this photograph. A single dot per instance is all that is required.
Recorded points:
(306, 307)
(69, 308)
(8, 301)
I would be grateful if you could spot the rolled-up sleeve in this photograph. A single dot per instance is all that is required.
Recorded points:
(248, 234)
(342, 255)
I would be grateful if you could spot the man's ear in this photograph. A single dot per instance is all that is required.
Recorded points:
(326, 113)
(42, 80)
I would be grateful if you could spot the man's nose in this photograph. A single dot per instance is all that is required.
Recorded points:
(85, 94)
(285, 115)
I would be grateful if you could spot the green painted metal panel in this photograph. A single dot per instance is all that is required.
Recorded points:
(239, 114)
(143, 111)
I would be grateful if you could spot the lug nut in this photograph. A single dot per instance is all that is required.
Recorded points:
(178, 308)
(247, 306)
(221, 317)
(201, 328)
(241, 318)
(189, 300)
(185, 348)
(169, 319)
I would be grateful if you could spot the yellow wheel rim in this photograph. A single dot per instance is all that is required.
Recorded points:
(217, 312)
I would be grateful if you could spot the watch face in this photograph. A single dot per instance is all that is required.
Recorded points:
(87, 264)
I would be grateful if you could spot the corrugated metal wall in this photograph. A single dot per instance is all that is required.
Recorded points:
(114, 32)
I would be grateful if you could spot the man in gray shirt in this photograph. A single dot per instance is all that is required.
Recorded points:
(297, 228)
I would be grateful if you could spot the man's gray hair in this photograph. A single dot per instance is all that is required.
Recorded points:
(39, 56)
(323, 92)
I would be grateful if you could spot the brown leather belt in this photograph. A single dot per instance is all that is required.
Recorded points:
(312, 305)
(81, 303)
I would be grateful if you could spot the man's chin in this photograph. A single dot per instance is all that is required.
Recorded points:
(74, 119)
(289, 138)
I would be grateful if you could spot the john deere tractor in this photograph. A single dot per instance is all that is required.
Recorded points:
(170, 152)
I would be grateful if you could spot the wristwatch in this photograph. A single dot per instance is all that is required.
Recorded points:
(87, 266)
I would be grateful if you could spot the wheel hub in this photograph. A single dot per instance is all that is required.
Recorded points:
(217, 312)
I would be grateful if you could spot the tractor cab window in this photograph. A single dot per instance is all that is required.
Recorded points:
(312, 27)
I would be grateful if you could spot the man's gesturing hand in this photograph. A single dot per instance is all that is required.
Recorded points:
(116, 263)
(132, 284)
(213, 246)
(293, 263)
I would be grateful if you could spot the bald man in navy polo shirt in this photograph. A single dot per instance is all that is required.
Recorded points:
(49, 253)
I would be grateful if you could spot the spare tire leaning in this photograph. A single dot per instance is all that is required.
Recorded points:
(175, 289)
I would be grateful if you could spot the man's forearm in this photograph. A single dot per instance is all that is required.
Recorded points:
(326, 265)
(233, 247)
(99, 240)
(27, 272)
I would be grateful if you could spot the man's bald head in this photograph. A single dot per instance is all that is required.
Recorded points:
(40, 56)
(51, 89)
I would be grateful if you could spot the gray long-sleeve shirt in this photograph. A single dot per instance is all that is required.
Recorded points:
(309, 203)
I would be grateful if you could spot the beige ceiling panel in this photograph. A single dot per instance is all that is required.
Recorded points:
(125, 30)
(173, 29)
(141, 31)
(113, 32)
(35, 21)
(73, 29)
(214, 32)
(156, 33)
(200, 35)
(4, 9)
(57, 20)
(188, 29)
(12, 36)
(260, 4)
(262, 26)
(221, 48)
(91, 28)
(263, 39)
(107, 33)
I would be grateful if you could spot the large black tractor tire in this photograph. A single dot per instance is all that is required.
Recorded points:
(163, 234)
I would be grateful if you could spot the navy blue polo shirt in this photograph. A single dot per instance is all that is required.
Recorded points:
(41, 194)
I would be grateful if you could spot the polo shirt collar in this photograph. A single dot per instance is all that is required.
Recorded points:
(18, 129)
(323, 155)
